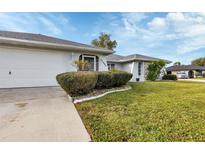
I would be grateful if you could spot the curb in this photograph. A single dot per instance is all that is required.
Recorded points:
(98, 96)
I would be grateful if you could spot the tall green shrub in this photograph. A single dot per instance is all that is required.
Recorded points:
(154, 70)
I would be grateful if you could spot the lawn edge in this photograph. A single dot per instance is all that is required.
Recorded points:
(98, 96)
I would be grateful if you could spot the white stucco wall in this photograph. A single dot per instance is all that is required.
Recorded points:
(35, 67)
(132, 67)
(118, 66)
(135, 72)
(127, 67)
(102, 63)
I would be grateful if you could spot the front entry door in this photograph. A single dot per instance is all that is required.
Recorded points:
(91, 63)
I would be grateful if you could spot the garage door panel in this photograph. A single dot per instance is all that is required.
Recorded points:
(4, 73)
(30, 68)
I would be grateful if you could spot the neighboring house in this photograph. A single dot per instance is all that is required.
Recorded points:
(135, 64)
(30, 60)
(190, 71)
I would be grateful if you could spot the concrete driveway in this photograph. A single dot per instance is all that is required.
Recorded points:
(39, 114)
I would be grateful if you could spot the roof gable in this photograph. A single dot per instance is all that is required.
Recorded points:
(47, 39)
(133, 57)
(40, 38)
(185, 68)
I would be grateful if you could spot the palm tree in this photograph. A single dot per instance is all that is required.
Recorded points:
(104, 41)
(177, 63)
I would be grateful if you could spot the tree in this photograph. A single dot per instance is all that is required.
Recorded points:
(154, 69)
(177, 63)
(104, 41)
(199, 62)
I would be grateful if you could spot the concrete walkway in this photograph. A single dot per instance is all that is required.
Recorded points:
(192, 80)
(39, 114)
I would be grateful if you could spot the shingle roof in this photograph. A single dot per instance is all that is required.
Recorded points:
(119, 58)
(114, 57)
(41, 38)
(185, 68)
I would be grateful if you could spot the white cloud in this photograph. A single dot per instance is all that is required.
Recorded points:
(134, 17)
(190, 45)
(45, 23)
(186, 28)
(171, 34)
(130, 20)
(157, 24)
(50, 25)
(8, 22)
(175, 17)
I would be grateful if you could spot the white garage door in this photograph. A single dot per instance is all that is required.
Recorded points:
(30, 67)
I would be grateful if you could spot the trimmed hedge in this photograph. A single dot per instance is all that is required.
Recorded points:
(77, 83)
(112, 78)
(104, 80)
(120, 78)
(169, 77)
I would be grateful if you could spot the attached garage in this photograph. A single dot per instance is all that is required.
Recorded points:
(21, 67)
(34, 60)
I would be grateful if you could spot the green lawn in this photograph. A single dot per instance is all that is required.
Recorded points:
(199, 78)
(151, 111)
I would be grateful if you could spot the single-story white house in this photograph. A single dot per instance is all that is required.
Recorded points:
(32, 60)
(135, 64)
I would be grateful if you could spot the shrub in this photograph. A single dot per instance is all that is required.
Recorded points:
(203, 74)
(154, 70)
(112, 78)
(104, 80)
(77, 83)
(169, 77)
(120, 78)
(198, 74)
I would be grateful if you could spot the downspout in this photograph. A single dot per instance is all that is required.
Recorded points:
(132, 70)
(103, 62)
(133, 63)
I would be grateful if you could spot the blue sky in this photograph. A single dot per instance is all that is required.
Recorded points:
(173, 36)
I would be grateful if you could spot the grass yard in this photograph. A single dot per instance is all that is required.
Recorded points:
(199, 78)
(151, 111)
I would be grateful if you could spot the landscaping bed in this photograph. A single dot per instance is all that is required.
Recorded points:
(150, 111)
(96, 93)
(81, 83)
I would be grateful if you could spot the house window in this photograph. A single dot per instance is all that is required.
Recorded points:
(91, 62)
(139, 68)
(111, 66)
